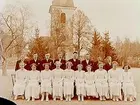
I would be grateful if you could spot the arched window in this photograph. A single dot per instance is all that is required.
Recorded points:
(63, 18)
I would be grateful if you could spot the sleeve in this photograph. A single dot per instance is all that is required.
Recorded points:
(109, 76)
(17, 77)
(17, 66)
(95, 76)
(131, 78)
(41, 76)
(106, 76)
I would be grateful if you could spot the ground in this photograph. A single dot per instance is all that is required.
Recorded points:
(6, 88)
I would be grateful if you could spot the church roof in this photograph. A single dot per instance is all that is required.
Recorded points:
(63, 3)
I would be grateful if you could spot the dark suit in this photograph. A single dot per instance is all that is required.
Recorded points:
(95, 66)
(47, 61)
(63, 65)
(74, 63)
(37, 62)
(27, 67)
(85, 64)
(107, 66)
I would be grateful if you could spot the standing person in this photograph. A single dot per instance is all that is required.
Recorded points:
(87, 62)
(90, 82)
(48, 60)
(96, 63)
(46, 79)
(63, 61)
(57, 81)
(79, 82)
(129, 88)
(68, 82)
(21, 79)
(33, 88)
(36, 61)
(22, 59)
(75, 61)
(101, 82)
(115, 80)
(108, 64)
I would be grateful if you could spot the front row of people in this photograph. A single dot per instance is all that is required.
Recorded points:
(60, 83)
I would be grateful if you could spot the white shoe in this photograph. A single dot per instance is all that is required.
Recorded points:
(42, 99)
(54, 99)
(125, 99)
(15, 98)
(61, 99)
(28, 99)
(117, 99)
(47, 99)
(104, 99)
(33, 99)
(82, 98)
(67, 99)
(78, 98)
(101, 99)
(131, 99)
(23, 97)
(113, 99)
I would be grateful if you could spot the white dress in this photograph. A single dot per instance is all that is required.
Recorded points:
(33, 87)
(20, 84)
(115, 80)
(68, 82)
(79, 82)
(128, 84)
(101, 78)
(46, 81)
(57, 82)
(90, 84)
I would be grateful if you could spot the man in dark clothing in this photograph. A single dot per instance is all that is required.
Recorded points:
(6, 102)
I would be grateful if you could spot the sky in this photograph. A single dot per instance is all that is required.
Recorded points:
(119, 17)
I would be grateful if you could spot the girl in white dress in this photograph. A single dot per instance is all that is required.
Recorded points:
(115, 80)
(33, 88)
(79, 81)
(129, 89)
(46, 78)
(101, 83)
(57, 81)
(68, 82)
(90, 82)
(20, 84)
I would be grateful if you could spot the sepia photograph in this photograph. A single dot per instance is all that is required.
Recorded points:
(70, 52)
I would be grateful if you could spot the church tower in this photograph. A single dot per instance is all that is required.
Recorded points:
(61, 12)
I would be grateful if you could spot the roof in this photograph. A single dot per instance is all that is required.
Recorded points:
(63, 3)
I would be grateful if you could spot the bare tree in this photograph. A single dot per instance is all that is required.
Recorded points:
(81, 29)
(14, 28)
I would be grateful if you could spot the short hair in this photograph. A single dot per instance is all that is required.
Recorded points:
(75, 52)
(57, 62)
(33, 64)
(46, 64)
(80, 65)
(88, 66)
(115, 62)
(68, 63)
(126, 65)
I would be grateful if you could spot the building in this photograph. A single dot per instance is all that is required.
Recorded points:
(61, 12)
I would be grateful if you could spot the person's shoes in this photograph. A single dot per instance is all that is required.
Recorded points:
(23, 97)
(42, 99)
(131, 99)
(33, 99)
(28, 99)
(15, 98)
(125, 99)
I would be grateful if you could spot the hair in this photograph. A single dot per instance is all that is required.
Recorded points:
(126, 65)
(58, 62)
(46, 64)
(75, 52)
(80, 65)
(115, 62)
(88, 66)
(33, 64)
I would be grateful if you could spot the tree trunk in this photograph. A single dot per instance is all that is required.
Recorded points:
(4, 68)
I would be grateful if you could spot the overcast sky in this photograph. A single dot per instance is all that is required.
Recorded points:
(120, 17)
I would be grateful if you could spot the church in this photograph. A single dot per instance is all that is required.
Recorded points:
(61, 12)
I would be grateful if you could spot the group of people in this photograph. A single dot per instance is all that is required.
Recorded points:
(66, 79)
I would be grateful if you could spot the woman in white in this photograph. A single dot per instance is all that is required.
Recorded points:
(68, 82)
(46, 86)
(90, 82)
(33, 88)
(57, 81)
(101, 83)
(115, 79)
(20, 84)
(129, 89)
(79, 81)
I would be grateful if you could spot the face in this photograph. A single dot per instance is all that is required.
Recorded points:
(109, 59)
(47, 56)
(35, 56)
(99, 59)
(46, 67)
(79, 67)
(126, 68)
(89, 68)
(115, 65)
(75, 55)
(58, 65)
(33, 67)
(22, 57)
(60, 56)
(22, 65)
(69, 65)
(101, 66)
(88, 56)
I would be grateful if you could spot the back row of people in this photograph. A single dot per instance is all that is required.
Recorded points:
(60, 83)
(75, 61)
